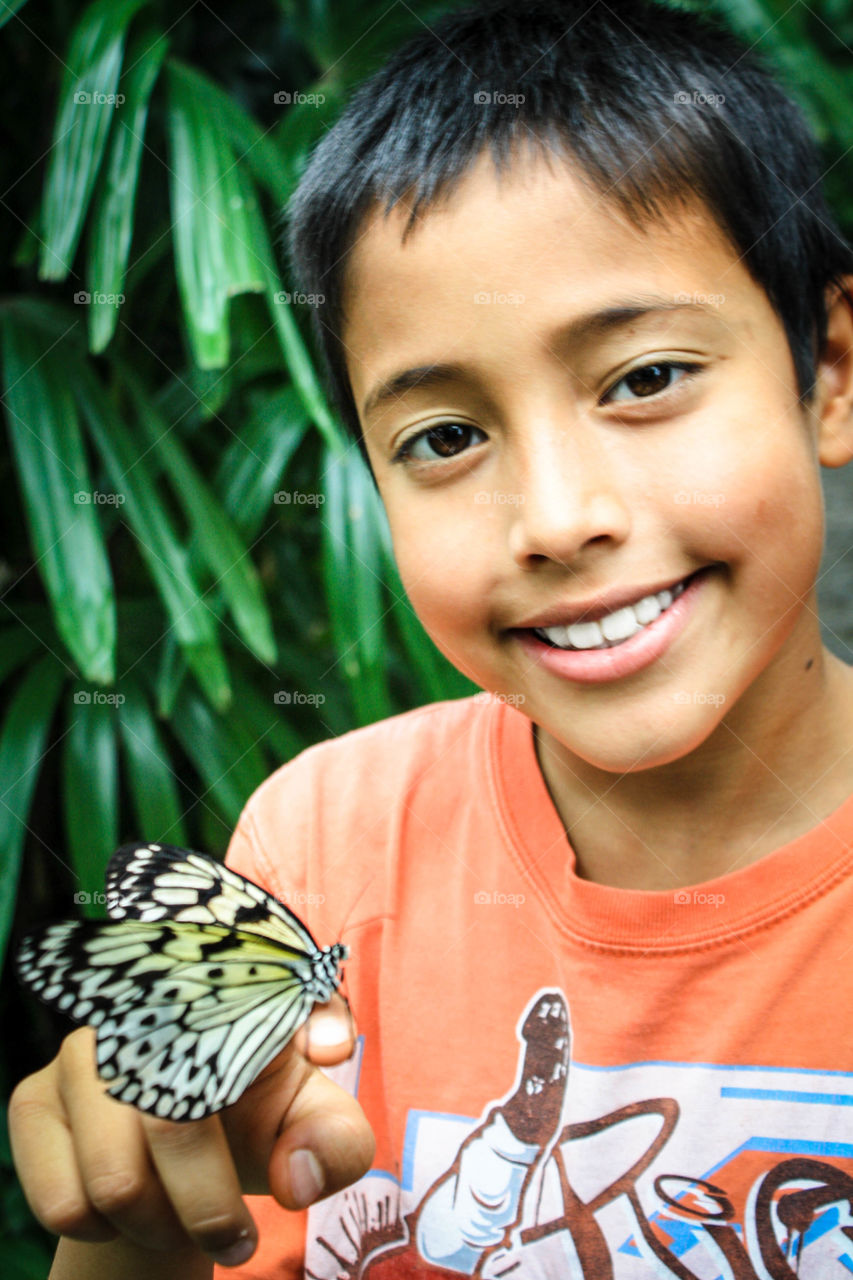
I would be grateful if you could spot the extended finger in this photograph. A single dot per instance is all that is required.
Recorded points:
(117, 1175)
(197, 1171)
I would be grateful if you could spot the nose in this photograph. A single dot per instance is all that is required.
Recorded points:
(572, 492)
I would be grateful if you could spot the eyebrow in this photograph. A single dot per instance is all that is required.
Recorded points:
(594, 324)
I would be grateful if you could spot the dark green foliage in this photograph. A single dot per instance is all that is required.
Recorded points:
(196, 577)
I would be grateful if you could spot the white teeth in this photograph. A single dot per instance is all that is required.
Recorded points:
(614, 627)
(620, 625)
(647, 609)
(585, 635)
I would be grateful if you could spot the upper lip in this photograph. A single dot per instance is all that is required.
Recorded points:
(597, 606)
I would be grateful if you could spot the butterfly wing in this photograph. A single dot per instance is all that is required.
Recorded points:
(187, 1014)
(199, 979)
(152, 882)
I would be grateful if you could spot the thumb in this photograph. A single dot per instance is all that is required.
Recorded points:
(325, 1145)
(329, 1035)
(295, 1134)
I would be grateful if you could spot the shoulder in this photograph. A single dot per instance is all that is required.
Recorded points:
(400, 745)
(354, 791)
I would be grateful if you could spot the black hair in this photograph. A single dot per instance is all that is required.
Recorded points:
(656, 105)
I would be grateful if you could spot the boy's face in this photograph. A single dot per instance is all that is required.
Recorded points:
(621, 412)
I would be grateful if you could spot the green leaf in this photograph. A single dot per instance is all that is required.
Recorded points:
(212, 202)
(254, 146)
(231, 769)
(58, 497)
(158, 545)
(87, 106)
(353, 544)
(90, 776)
(170, 675)
(263, 721)
(299, 364)
(222, 246)
(153, 783)
(252, 465)
(302, 126)
(226, 554)
(111, 225)
(8, 9)
(22, 745)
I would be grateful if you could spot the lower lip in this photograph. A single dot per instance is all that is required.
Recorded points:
(595, 666)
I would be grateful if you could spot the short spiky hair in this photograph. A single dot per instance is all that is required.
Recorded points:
(656, 105)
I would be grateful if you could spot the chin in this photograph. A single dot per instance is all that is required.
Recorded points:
(649, 747)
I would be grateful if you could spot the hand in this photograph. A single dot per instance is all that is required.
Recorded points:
(94, 1169)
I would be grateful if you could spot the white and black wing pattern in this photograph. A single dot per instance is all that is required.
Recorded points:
(163, 882)
(187, 1012)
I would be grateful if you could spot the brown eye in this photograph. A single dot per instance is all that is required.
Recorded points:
(448, 437)
(445, 440)
(649, 380)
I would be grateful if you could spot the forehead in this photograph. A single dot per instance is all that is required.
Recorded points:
(537, 238)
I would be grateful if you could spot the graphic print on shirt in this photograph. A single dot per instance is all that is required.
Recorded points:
(724, 1173)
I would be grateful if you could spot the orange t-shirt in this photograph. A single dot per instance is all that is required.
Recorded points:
(564, 1079)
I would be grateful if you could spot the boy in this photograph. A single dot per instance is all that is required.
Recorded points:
(585, 317)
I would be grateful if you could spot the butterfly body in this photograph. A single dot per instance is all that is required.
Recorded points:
(194, 985)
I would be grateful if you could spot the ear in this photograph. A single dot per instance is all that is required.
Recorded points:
(832, 405)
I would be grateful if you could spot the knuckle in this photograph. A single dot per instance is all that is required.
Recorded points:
(115, 1192)
(27, 1104)
(71, 1217)
(357, 1138)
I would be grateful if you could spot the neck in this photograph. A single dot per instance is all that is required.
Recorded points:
(776, 765)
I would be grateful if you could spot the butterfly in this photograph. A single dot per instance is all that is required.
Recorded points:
(196, 982)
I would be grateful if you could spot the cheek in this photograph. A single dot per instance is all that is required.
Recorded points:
(760, 504)
(446, 568)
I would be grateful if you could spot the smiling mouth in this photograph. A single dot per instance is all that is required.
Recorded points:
(614, 628)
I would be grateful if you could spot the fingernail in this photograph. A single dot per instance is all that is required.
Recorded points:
(306, 1178)
(236, 1253)
(328, 1031)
